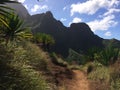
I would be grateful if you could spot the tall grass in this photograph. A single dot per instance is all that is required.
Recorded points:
(21, 67)
(31, 54)
(115, 76)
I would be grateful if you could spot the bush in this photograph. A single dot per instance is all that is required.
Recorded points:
(16, 77)
(90, 55)
(115, 76)
(75, 57)
(32, 55)
(18, 68)
(58, 61)
(108, 56)
(99, 73)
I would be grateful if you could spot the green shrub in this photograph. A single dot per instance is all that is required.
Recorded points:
(58, 61)
(90, 55)
(108, 56)
(16, 77)
(31, 54)
(99, 73)
(18, 68)
(75, 57)
(115, 76)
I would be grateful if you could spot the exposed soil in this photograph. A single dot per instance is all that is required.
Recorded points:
(66, 79)
(80, 82)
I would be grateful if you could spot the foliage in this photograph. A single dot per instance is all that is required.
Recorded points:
(13, 29)
(44, 40)
(91, 53)
(108, 56)
(109, 76)
(75, 57)
(19, 65)
(7, 1)
(58, 61)
(100, 73)
(105, 56)
(32, 55)
(4, 9)
(115, 76)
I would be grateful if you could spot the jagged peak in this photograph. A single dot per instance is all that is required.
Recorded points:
(78, 24)
(49, 13)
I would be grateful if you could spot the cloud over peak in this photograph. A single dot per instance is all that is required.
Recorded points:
(76, 20)
(104, 24)
(108, 33)
(38, 7)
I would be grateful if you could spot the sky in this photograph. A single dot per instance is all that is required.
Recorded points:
(103, 16)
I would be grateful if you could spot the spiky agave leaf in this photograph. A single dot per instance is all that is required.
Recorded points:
(15, 29)
(7, 1)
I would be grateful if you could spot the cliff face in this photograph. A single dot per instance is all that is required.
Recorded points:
(78, 37)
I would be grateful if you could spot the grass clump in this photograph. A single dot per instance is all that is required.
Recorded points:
(115, 76)
(58, 61)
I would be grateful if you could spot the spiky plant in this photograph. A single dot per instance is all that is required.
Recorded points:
(13, 28)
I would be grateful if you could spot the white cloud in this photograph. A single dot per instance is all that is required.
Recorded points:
(111, 11)
(75, 20)
(38, 7)
(90, 7)
(63, 19)
(64, 8)
(21, 1)
(35, 8)
(26, 6)
(104, 24)
(108, 33)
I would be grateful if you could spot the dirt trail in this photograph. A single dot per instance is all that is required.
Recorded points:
(79, 81)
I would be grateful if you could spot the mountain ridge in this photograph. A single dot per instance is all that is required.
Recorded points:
(78, 36)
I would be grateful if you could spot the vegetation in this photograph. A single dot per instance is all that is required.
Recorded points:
(44, 40)
(75, 57)
(58, 60)
(17, 67)
(13, 29)
(24, 62)
(19, 63)
(105, 56)
(101, 67)
(4, 9)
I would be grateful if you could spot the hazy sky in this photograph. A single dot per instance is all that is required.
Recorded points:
(103, 16)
